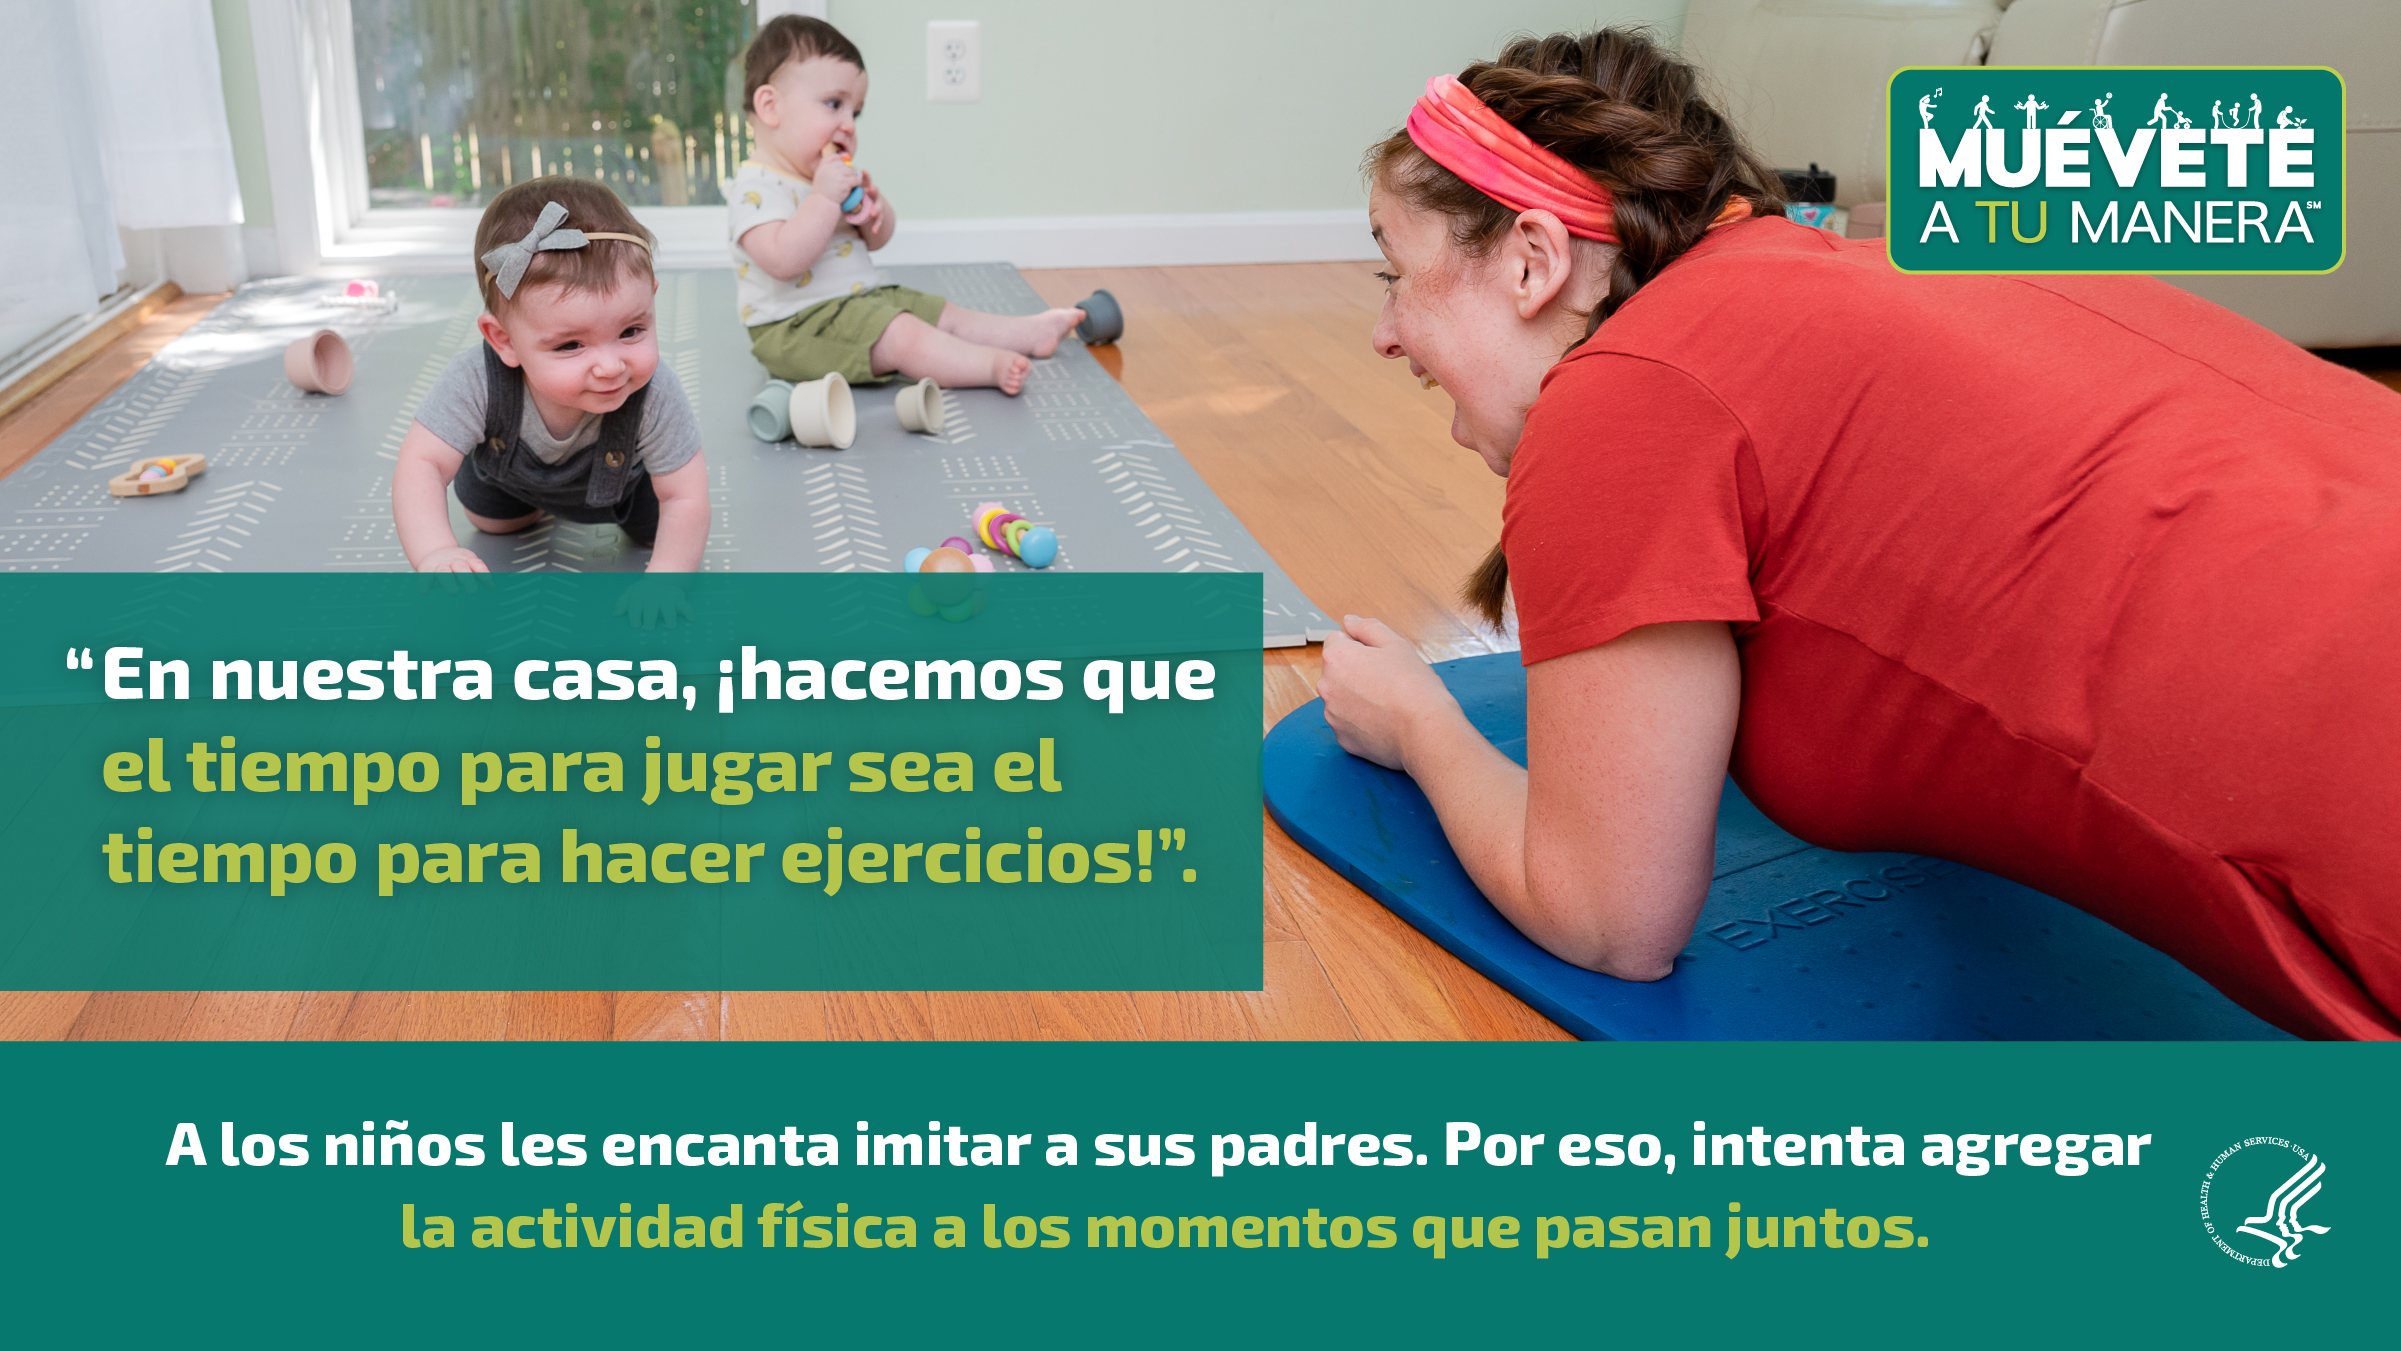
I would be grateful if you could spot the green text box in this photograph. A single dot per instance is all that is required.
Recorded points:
(371, 842)
(2014, 1252)
(2154, 169)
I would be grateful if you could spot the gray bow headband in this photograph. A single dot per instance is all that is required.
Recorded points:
(507, 263)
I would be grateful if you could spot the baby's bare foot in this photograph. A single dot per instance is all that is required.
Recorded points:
(1009, 370)
(1045, 330)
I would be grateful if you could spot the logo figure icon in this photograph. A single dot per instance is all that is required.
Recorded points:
(2030, 108)
(1925, 107)
(2101, 117)
(2284, 1211)
(2286, 118)
(2161, 113)
(1983, 114)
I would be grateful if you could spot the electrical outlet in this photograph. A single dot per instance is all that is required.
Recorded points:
(954, 61)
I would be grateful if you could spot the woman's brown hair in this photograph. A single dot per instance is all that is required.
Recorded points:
(594, 267)
(1624, 110)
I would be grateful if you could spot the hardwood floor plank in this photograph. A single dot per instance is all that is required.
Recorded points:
(375, 1015)
(455, 1015)
(1086, 1015)
(321, 1015)
(1299, 1003)
(40, 1015)
(561, 1015)
(666, 1015)
(878, 1015)
(775, 1015)
(1489, 1012)
(982, 1015)
(241, 1015)
(132, 1015)
(1194, 1015)
(1373, 959)
(34, 423)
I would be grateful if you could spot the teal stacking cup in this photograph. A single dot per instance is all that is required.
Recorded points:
(771, 412)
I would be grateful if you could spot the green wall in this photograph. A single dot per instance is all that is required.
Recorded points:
(1117, 107)
(237, 60)
(1105, 107)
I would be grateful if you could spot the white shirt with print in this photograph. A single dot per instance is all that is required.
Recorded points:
(757, 195)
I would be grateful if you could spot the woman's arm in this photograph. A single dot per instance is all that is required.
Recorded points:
(1602, 851)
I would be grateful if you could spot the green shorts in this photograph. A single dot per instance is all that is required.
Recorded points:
(835, 335)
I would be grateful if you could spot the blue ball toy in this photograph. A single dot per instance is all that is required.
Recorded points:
(1038, 547)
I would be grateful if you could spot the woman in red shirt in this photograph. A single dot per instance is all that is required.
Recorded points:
(2083, 581)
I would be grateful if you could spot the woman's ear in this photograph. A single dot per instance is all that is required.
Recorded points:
(494, 334)
(1540, 257)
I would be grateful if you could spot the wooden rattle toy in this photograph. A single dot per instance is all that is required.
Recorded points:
(158, 474)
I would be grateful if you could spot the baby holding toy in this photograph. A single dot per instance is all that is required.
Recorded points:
(813, 301)
(562, 409)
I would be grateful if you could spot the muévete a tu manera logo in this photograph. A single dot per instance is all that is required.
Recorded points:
(2116, 170)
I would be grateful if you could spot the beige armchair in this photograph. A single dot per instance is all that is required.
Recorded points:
(1805, 80)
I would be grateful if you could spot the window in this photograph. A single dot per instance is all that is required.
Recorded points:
(460, 98)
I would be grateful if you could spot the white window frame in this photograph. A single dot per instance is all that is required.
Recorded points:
(317, 165)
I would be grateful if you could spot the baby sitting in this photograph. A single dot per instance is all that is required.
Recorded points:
(813, 301)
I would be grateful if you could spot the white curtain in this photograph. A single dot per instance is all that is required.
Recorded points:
(161, 112)
(116, 117)
(58, 238)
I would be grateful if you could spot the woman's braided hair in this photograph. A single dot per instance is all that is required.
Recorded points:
(1621, 108)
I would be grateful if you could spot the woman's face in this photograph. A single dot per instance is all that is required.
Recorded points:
(1485, 329)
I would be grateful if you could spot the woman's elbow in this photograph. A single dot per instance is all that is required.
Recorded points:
(1631, 937)
(1635, 965)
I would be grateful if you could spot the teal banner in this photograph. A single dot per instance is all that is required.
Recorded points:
(1202, 1194)
(2155, 169)
(797, 782)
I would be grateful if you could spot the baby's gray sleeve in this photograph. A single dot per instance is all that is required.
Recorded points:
(670, 429)
(454, 408)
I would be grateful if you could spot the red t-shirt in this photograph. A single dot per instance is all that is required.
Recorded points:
(2083, 581)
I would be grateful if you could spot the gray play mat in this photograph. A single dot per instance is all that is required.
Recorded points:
(301, 482)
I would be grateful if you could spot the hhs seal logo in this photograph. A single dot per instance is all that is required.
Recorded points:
(2274, 1182)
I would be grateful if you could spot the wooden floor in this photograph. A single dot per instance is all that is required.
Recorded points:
(28, 428)
(1339, 464)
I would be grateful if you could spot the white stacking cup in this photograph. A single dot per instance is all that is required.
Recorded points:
(921, 408)
(822, 413)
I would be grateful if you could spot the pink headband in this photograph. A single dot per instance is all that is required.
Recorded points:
(1459, 133)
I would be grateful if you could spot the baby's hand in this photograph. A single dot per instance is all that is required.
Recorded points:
(871, 204)
(455, 558)
(454, 571)
(834, 179)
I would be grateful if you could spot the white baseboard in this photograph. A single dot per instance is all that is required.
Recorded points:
(694, 237)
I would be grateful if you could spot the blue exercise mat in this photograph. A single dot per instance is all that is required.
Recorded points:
(1795, 942)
